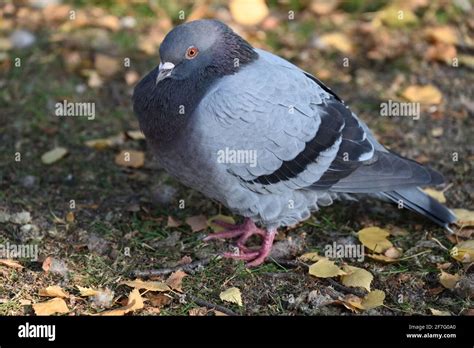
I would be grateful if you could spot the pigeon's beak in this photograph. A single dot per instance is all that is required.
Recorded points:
(164, 70)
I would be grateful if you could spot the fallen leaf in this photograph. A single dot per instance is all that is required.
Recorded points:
(464, 217)
(100, 144)
(198, 311)
(159, 299)
(53, 291)
(325, 268)
(172, 222)
(382, 258)
(231, 295)
(323, 7)
(311, 257)
(448, 280)
(441, 52)
(197, 223)
(86, 292)
(108, 21)
(438, 195)
(70, 217)
(248, 12)
(357, 277)
(464, 251)
(135, 302)
(175, 280)
(219, 313)
(337, 41)
(427, 94)
(147, 285)
(135, 134)
(106, 65)
(220, 217)
(375, 239)
(373, 299)
(394, 16)
(393, 253)
(444, 34)
(54, 155)
(47, 264)
(131, 77)
(130, 158)
(437, 312)
(53, 306)
(11, 263)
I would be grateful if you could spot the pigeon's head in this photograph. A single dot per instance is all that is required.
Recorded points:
(201, 48)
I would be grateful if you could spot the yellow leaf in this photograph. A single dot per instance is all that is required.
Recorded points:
(448, 280)
(11, 263)
(382, 258)
(357, 277)
(437, 312)
(54, 155)
(337, 41)
(394, 16)
(438, 195)
(151, 286)
(53, 291)
(135, 302)
(130, 158)
(53, 306)
(464, 217)
(375, 239)
(311, 257)
(393, 253)
(220, 217)
(232, 295)
(444, 34)
(70, 217)
(248, 12)
(100, 144)
(464, 251)
(197, 223)
(325, 268)
(175, 280)
(427, 94)
(87, 291)
(373, 299)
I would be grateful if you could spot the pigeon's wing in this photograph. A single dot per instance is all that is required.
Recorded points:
(302, 135)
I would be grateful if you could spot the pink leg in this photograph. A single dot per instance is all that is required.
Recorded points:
(244, 232)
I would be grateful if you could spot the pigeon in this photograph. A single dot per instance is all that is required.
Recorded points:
(265, 138)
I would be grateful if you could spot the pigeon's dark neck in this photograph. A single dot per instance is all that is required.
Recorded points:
(164, 108)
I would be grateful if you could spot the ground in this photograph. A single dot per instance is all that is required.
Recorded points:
(118, 207)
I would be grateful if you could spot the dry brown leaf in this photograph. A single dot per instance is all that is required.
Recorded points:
(53, 306)
(54, 155)
(437, 312)
(47, 263)
(198, 311)
(53, 291)
(438, 195)
(147, 285)
(357, 277)
(325, 268)
(427, 94)
(159, 299)
(323, 7)
(375, 239)
(11, 263)
(100, 144)
(85, 292)
(135, 302)
(130, 158)
(108, 22)
(464, 217)
(464, 251)
(441, 52)
(197, 223)
(449, 281)
(248, 12)
(393, 253)
(175, 280)
(70, 217)
(224, 218)
(106, 65)
(172, 222)
(231, 295)
(444, 34)
(337, 41)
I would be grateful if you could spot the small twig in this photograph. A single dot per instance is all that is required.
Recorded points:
(211, 305)
(353, 291)
(189, 268)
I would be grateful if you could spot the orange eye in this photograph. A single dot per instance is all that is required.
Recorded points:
(191, 52)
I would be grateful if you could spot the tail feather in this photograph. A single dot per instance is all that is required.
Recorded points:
(418, 201)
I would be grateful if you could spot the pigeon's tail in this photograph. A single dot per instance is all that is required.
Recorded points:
(418, 201)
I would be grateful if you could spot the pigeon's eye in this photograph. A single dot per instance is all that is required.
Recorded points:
(191, 52)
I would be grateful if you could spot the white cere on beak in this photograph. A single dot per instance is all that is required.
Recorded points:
(164, 70)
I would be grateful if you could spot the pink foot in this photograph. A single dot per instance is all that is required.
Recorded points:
(244, 232)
